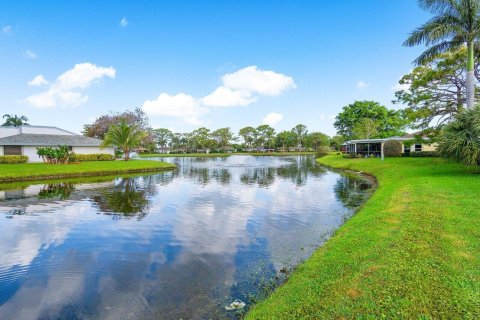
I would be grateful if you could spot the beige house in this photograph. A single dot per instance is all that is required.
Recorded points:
(24, 140)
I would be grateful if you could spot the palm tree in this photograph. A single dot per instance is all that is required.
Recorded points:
(125, 136)
(14, 120)
(461, 138)
(456, 23)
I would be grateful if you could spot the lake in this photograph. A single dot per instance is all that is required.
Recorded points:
(202, 242)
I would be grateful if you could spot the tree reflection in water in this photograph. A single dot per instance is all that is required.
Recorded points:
(53, 190)
(129, 198)
(351, 191)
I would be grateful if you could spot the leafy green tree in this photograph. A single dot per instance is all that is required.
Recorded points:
(365, 128)
(316, 139)
(223, 136)
(124, 136)
(14, 120)
(265, 136)
(163, 137)
(434, 92)
(336, 142)
(300, 131)
(202, 137)
(286, 139)
(461, 138)
(456, 23)
(248, 134)
(390, 122)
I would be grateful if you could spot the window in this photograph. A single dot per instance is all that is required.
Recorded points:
(418, 147)
(12, 150)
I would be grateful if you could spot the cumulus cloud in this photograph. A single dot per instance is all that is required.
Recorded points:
(38, 81)
(272, 118)
(400, 87)
(226, 97)
(67, 90)
(30, 54)
(362, 85)
(240, 88)
(124, 22)
(7, 30)
(181, 105)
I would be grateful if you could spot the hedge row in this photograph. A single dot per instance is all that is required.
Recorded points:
(91, 157)
(13, 159)
(421, 154)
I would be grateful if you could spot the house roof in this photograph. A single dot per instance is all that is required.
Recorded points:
(41, 140)
(28, 126)
(376, 140)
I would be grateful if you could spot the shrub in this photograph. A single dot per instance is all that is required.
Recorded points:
(322, 151)
(392, 148)
(13, 159)
(423, 154)
(57, 155)
(92, 157)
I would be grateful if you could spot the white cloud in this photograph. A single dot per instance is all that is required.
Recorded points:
(181, 105)
(362, 85)
(240, 88)
(324, 116)
(37, 81)
(7, 30)
(30, 54)
(226, 97)
(66, 91)
(258, 81)
(272, 118)
(124, 22)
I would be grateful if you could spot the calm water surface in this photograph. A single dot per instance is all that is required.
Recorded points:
(182, 244)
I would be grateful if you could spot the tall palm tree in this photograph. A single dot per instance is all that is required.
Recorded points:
(456, 23)
(14, 120)
(124, 136)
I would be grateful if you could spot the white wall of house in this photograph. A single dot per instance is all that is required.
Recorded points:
(90, 150)
(1, 150)
(31, 153)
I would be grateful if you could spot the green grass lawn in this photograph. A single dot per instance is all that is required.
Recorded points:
(36, 171)
(412, 251)
(212, 155)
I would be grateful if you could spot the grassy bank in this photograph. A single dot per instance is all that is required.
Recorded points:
(212, 155)
(36, 171)
(412, 252)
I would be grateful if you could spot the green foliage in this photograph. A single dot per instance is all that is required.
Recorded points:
(74, 157)
(124, 136)
(14, 120)
(390, 122)
(423, 154)
(13, 159)
(365, 128)
(336, 142)
(300, 131)
(435, 91)
(322, 151)
(392, 148)
(461, 138)
(54, 155)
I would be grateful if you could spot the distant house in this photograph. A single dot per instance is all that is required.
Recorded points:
(24, 140)
(368, 147)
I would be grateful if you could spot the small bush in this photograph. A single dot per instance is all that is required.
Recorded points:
(322, 151)
(92, 157)
(423, 154)
(392, 148)
(13, 159)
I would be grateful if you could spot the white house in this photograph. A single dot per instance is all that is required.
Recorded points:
(369, 147)
(24, 140)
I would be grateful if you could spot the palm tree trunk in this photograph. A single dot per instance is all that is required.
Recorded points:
(470, 76)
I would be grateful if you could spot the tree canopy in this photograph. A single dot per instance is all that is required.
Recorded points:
(14, 120)
(390, 122)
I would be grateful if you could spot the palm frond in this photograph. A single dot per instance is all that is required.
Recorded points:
(431, 53)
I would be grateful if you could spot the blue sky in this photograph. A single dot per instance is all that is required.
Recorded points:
(195, 63)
